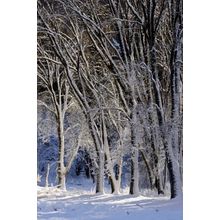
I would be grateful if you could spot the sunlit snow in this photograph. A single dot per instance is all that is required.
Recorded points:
(83, 204)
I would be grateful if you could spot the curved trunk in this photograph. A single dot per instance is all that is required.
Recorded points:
(115, 182)
(149, 170)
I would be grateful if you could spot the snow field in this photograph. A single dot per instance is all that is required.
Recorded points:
(54, 204)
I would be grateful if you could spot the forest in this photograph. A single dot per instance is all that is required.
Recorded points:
(110, 95)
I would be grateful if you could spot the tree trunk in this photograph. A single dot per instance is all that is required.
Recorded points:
(115, 185)
(100, 174)
(174, 141)
(174, 175)
(158, 185)
(134, 184)
(47, 176)
(61, 165)
(112, 184)
(149, 170)
(165, 176)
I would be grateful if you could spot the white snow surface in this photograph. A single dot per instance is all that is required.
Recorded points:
(111, 207)
(78, 203)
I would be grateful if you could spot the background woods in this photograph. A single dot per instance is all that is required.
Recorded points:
(110, 93)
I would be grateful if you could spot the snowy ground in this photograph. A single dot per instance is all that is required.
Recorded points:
(81, 204)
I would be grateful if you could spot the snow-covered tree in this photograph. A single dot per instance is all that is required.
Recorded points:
(121, 61)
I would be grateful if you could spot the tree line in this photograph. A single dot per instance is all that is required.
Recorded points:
(119, 62)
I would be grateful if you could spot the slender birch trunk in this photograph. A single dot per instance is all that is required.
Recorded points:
(61, 165)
